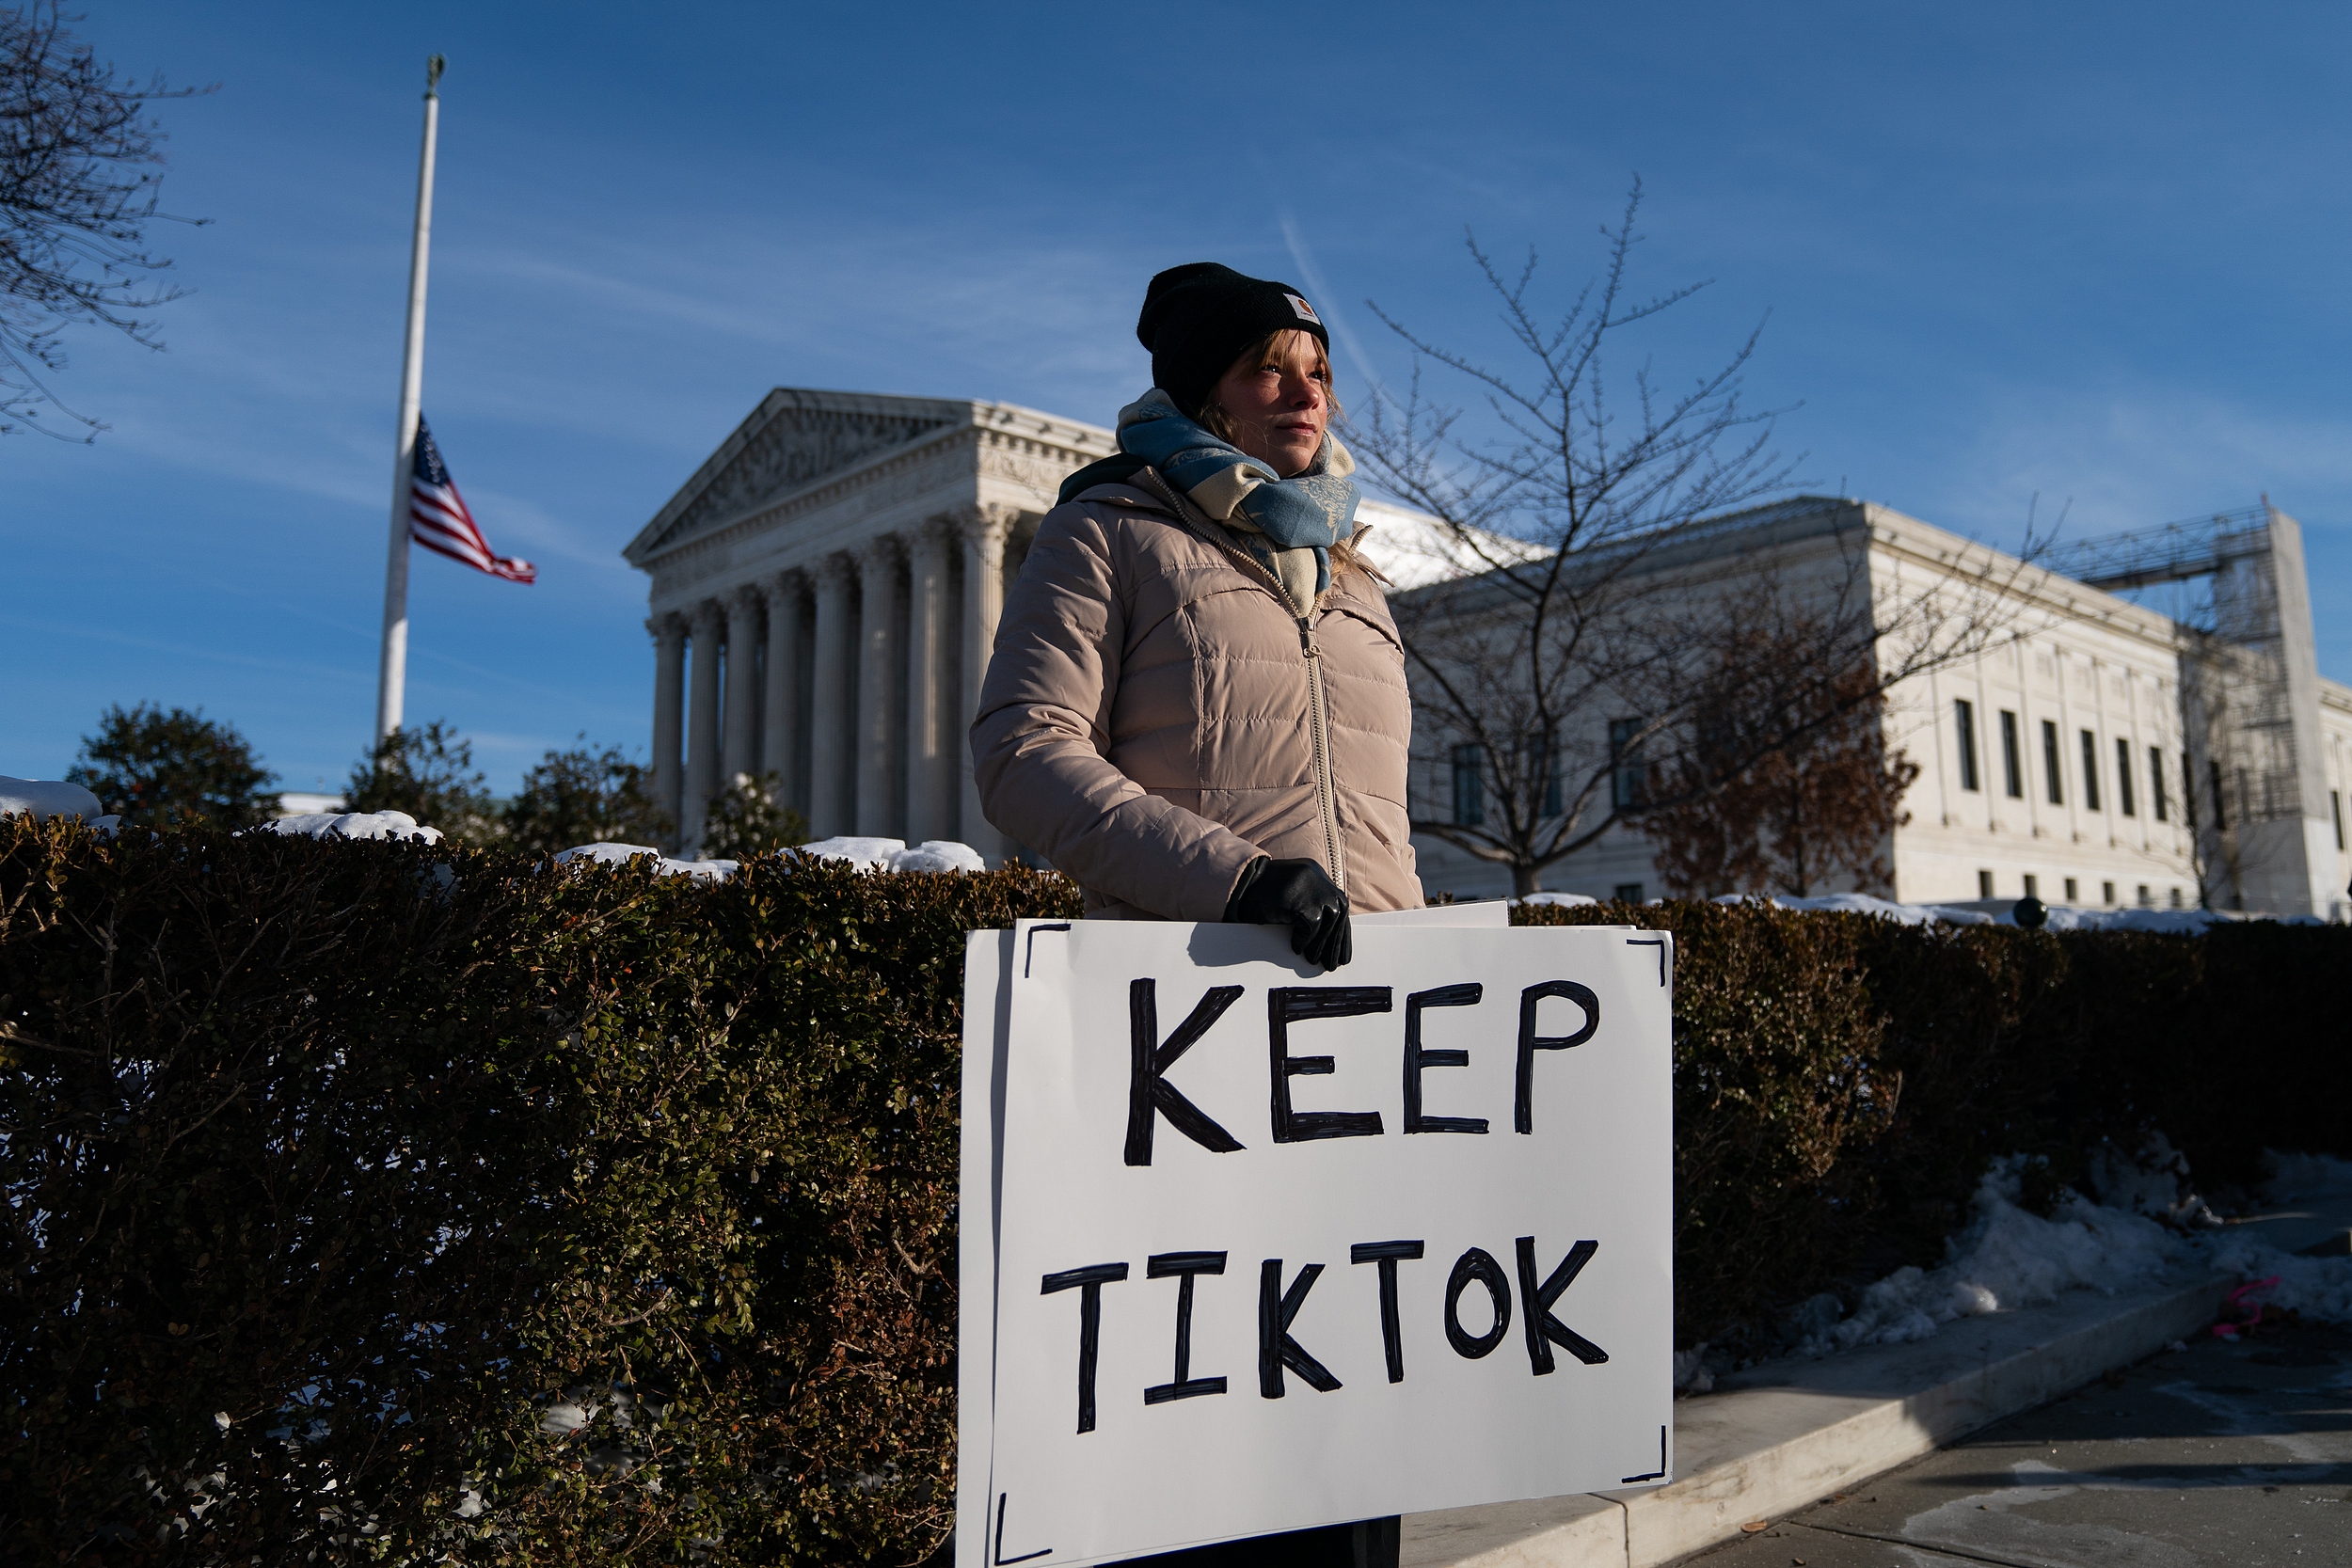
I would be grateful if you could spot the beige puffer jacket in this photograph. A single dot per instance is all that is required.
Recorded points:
(1156, 715)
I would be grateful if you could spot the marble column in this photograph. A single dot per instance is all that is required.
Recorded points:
(781, 730)
(931, 769)
(831, 702)
(740, 736)
(702, 720)
(877, 710)
(984, 532)
(669, 712)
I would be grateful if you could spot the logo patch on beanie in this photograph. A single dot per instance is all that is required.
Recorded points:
(1306, 312)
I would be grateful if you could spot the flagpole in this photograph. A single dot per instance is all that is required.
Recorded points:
(392, 675)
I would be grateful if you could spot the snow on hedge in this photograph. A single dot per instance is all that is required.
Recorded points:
(867, 854)
(46, 798)
(667, 865)
(352, 824)
(2061, 917)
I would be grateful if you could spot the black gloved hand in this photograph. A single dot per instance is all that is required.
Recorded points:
(1298, 895)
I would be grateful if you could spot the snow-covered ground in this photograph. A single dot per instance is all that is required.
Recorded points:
(2142, 1228)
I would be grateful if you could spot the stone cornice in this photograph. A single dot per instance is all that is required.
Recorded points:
(1003, 440)
(1975, 566)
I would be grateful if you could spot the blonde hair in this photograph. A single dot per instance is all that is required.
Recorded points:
(1265, 352)
(1211, 416)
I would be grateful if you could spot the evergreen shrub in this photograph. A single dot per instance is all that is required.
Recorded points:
(398, 1202)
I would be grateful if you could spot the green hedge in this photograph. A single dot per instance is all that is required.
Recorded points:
(1841, 1081)
(388, 1153)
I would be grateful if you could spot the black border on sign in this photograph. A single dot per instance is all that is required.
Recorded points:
(1658, 1474)
(1063, 925)
(996, 1554)
(1658, 943)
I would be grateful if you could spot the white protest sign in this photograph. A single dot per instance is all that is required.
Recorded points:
(1248, 1247)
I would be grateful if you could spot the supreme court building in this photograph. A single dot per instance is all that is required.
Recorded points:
(826, 589)
(825, 594)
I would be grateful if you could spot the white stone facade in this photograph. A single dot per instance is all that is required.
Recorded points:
(2087, 722)
(825, 592)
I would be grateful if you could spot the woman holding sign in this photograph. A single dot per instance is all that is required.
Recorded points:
(1197, 707)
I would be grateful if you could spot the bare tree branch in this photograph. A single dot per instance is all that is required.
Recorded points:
(79, 156)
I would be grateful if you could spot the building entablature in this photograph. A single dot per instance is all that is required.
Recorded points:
(812, 472)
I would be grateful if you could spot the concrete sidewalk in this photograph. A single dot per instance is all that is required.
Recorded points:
(1788, 1433)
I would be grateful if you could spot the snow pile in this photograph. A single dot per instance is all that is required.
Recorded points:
(46, 798)
(665, 866)
(2156, 1183)
(2142, 1226)
(892, 854)
(2315, 1287)
(1561, 900)
(2006, 1257)
(352, 824)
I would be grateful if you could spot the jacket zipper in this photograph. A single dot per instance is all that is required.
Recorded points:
(1318, 712)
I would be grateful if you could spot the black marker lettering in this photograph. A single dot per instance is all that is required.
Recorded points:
(1150, 1094)
(1090, 1282)
(1476, 1264)
(1289, 1004)
(1416, 1059)
(1544, 1330)
(1276, 1348)
(1385, 1254)
(1523, 1106)
(1184, 1265)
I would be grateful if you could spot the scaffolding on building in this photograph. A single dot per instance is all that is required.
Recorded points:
(2168, 552)
(2238, 702)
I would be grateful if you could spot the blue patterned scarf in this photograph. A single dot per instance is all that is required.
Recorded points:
(1314, 510)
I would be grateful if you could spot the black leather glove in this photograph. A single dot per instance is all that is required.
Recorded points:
(1298, 895)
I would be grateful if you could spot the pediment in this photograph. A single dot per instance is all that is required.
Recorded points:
(794, 438)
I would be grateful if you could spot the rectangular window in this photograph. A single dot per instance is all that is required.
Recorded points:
(1625, 764)
(2189, 792)
(1984, 884)
(1967, 716)
(1469, 786)
(1548, 753)
(2033, 885)
(2072, 897)
(1628, 893)
(2147, 899)
(2090, 770)
(2012, 761)
(2107, 892)
(2123, 778)
(2220, 809)
(2050, 762)
(2176, 898)
(2156, 784)
(2335, 804)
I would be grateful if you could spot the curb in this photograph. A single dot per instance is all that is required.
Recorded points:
(1788, 1433)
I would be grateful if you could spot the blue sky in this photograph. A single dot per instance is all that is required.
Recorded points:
(2092, 252)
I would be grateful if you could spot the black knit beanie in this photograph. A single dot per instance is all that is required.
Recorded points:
(1197, 318)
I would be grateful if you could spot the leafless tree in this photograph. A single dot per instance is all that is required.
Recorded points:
(79, 181)
(1575, 580)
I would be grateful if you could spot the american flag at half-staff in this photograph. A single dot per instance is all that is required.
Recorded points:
(437, 519)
